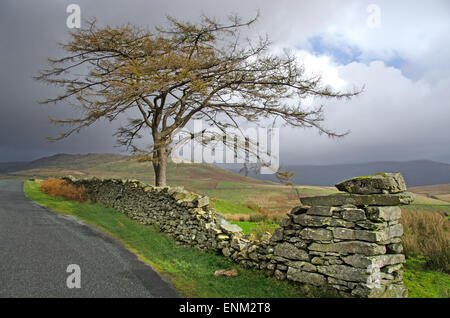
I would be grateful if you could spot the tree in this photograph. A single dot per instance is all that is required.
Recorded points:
(176, 74)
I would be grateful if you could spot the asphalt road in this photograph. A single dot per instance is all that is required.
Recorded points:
(37, 246)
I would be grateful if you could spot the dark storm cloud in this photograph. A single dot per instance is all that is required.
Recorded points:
(30, 30)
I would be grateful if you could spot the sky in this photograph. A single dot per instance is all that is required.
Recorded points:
(398, 50)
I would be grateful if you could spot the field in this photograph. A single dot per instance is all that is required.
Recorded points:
(257, 206)
(238, 197)
(202, 178)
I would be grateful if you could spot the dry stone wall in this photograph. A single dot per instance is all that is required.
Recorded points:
(350, 241)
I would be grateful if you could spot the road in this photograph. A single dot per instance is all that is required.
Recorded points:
(37, 245)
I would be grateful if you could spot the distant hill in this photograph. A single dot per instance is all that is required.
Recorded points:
(238, 191)
(120, 166)
(416, 173)
(61, 161)
(6, 167)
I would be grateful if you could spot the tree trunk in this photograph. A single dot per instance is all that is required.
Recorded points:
(160, 167)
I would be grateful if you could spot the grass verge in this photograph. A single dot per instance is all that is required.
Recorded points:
(424, 283)
(189, 270)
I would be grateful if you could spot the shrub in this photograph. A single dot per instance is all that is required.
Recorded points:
(236, 217)
(427, 234)
(257, 217)
(60, 188)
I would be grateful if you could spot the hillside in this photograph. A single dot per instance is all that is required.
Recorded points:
(241, 191)
(233, 192)
(438, 191)
(61, 161)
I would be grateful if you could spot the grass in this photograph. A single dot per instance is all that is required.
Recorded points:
(424, 283)
(427, 250)
(189, 270)
(226, 207)
(442, 209)
(423, 200)
(256, 227)
(427, 235)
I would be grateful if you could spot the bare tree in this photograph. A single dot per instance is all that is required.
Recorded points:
(176, 74)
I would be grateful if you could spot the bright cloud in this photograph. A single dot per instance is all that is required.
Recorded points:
(404, 64)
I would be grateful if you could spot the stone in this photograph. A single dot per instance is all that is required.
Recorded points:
(393, 231)
(299, 210)
(320, 210)
(304, 266)
(349, 247)
(361, 261)
(226, 252)
(226, 273)
(369, 236)
(238, 244)
(390, 259)
(277, 235)
(391, 291)
(305, 277)
(383, 214)
(285, 222)
(394, 248)
(364, 291)
(70, 178)
(317, 260)
(340, 284)
(320, 221)
(289, 251)
(202, 201)
(253, 256)
(265, 237)
(289, 232)
(374, 184)
(373, 226)
(353, 215)
(230, 228)
(179, 195)
(392, 268)
(316, 234)
(173, 190)
(280, 275)
(344, 272)
(301, 244)
(343, 233)
(341, 199)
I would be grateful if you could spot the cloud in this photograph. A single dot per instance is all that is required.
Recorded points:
(395, 117)
(404, 65)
